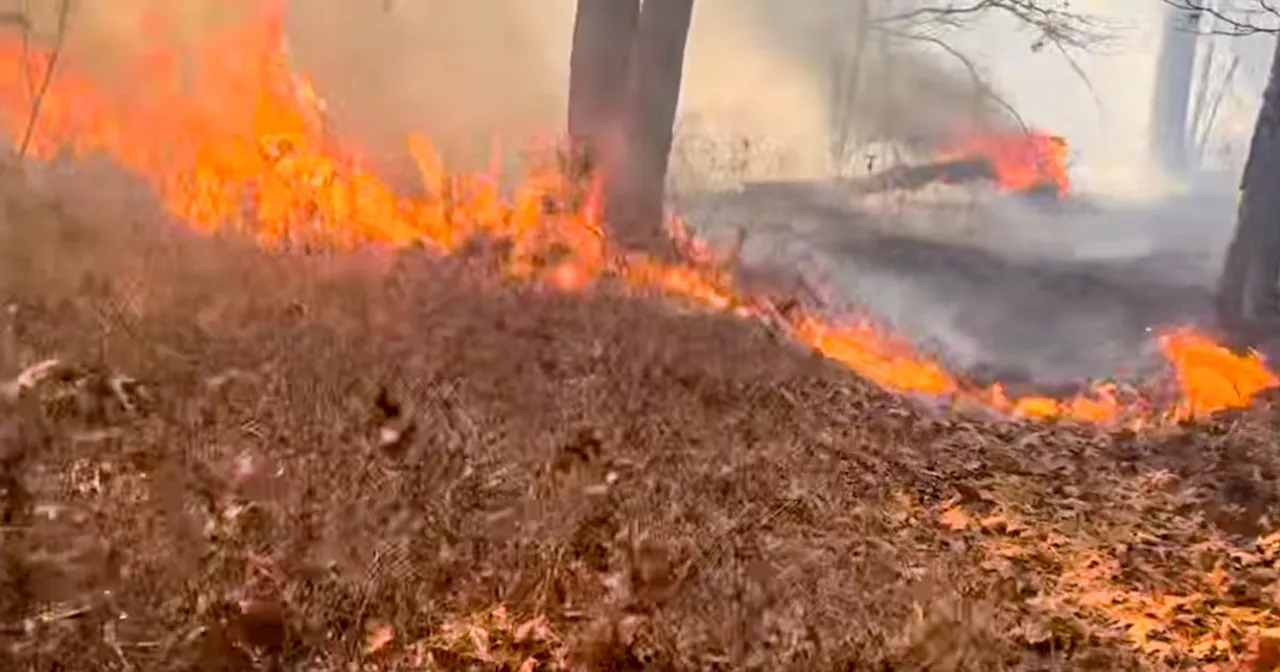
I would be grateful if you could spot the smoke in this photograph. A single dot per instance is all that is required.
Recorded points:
(762, 71)
(757, 72)
(468, 73)
(464, 73)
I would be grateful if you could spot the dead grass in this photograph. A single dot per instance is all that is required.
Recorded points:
(405, 463)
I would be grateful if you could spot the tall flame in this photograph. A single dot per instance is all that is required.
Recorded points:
(231, 138)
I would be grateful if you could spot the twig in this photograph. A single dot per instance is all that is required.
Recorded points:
(983, 89)
(1234, 27)
(1079, 72)
(29, 378)
(1211, 118)
(1064, 30)
(1063, 26)
(25, 27)
(64, 13)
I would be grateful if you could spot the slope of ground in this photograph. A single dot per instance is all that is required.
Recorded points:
(408, 464)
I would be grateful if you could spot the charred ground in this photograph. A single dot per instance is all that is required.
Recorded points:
(428, 467)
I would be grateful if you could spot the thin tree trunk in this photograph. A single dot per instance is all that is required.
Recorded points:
(636, 206)
(599, 80)
(1172, 99)
(848, 85)
(1247, 294)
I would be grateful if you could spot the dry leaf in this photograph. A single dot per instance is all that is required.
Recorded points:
(379, 638)
(903, 499)
(480, 640)
(997, 522)
(531, 629)
(955, 518)
(1267, 655)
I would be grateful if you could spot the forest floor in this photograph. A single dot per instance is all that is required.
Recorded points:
(336, 463)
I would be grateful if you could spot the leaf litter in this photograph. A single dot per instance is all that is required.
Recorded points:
(574, 482)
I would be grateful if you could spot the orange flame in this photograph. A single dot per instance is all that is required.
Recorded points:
(1211, 377)
(234, 139)
(1021, 161)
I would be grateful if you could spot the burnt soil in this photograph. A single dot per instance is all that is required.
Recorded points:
(362, 462)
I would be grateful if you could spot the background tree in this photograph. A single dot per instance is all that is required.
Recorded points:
(907, 26)
(625, 72)
(626, 68)
(599, 77)
(1248, 298)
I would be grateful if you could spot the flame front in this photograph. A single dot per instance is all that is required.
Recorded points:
(231, 138)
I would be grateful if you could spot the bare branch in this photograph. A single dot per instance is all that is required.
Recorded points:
(1053, 21)
(984, 90)
(1264, 18)
(1056, 25)
(951, 14)
(16, 19)
(1079, 73)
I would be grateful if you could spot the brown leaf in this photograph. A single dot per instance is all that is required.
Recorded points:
(1267, 656)
(955, 518)
(379, 637)
(262, 624)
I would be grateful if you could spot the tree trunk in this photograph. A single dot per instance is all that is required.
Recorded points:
(1172, 101)
(635, 208)
(600, 65)
(846, 83)
(1247, 295)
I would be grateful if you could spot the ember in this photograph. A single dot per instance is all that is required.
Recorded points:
(238, 143)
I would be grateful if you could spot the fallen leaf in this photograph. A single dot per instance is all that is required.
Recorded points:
(480, 641)
(903, 499)
(534, 628)
(997, 522)
(1267, 657)
(379, 638)
(955, 518)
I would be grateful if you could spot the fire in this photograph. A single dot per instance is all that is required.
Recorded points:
(1211, 377)
(230, 137)
(1020, 161)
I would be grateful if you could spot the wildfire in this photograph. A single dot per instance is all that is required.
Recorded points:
(1020, 161)
(231, 138)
